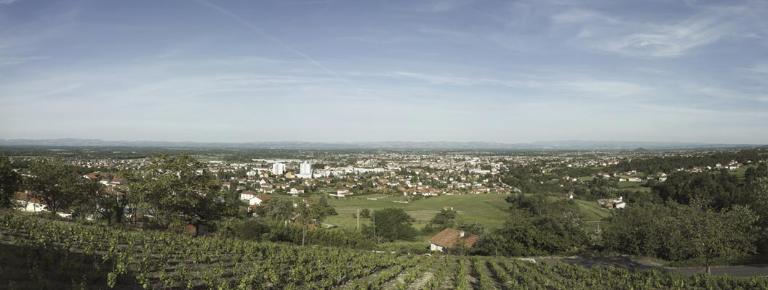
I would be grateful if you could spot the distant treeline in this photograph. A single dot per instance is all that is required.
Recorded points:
(669, 163)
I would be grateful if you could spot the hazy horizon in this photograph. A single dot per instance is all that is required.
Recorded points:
(364, 71)
(402, 143)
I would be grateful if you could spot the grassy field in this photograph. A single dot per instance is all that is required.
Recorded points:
(634, 186)
(490, 210)
(591, 210)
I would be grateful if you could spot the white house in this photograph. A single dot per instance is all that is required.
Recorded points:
(28, 203)
(253, 199)
(294, 191)
(612, 203)
(247, 195)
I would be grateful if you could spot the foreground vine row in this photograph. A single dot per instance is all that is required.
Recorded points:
(40, 253)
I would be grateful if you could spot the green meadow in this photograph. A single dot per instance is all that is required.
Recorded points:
(489, 210)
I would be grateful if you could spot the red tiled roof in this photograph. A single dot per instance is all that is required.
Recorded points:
(265, 197)
(450, 238)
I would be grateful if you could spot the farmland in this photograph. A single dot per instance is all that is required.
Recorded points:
(488, 209)
(42, 253)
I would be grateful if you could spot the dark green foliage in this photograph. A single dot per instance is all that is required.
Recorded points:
(9, 182)
(297, 234)
(324, 208)
(30, 267)
(250, 230)
(278, 209)
(62, 187)
(721, 189)
(671, 163)
(537, 227)
(753, 174)
(446, 218)
(179, 189)
(365, 213)
(391, 224)
(683, 232)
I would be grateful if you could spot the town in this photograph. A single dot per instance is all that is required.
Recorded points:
(394, 201)
(430, 144)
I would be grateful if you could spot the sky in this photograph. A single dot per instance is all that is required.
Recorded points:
(364, 71)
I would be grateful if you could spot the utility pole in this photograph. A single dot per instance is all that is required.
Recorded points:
(358, 220)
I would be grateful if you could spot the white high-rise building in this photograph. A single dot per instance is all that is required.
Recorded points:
(305, 170)
(278, 168)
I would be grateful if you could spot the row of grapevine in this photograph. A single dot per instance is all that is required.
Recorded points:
(71, 255)
(165, 260)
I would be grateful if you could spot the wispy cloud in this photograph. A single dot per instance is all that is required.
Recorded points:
(17, 60)
(551, 85)
(670, 40)
(8, 2)
(431, 6)
(654, 38)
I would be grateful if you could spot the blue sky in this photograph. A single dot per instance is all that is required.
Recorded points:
(351, 71)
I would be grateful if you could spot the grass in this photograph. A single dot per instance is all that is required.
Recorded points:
(489, 210)
(592, 211)
(633, 186)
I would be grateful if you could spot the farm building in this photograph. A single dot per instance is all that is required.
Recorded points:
(452, 239)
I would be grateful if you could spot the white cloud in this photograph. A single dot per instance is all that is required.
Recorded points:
(8, 2)
(552, 85)
(606, 88)
(657, 38)
(670, 40)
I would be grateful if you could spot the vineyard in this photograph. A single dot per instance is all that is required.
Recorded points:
(44, 254)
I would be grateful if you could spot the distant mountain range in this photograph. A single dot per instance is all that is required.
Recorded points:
(549, 145)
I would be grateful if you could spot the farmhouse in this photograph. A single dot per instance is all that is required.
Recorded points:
(253, 198)
(612, 202)
(29, 203)
(451, 239)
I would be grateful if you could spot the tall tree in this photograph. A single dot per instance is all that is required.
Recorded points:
(9, 182)
(391, 224)
(59, 185)
(446, 218)
(726, 235)
(179, 188)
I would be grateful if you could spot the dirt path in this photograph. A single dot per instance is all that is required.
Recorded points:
(639, 264)
(736, 271)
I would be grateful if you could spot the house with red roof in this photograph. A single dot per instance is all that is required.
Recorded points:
(452, 239)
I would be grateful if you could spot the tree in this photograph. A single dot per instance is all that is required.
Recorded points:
(446, 218)
(179, 188)
(365, 213)
(324, 207)
(760, 205)
(681, 232)
(391, 224)
(60, 186)
(9, 182)
(278, 209)
(725, 235)
(537, 226)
